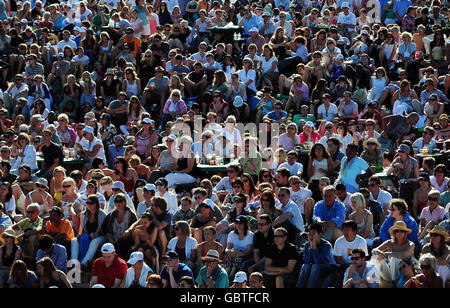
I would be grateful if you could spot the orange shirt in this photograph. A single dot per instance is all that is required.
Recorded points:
(417, 39)
(64, 227)
(135, 44)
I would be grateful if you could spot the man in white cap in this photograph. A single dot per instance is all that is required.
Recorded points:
(138, 273)
(267, 26)
(347, 20)
(53, 156)
(108, 270)
(240, 281)
(148, 192)
(94, 148)
(256, 38)
(212, 275)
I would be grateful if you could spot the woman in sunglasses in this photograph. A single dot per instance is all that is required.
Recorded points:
(437, 247)
(432, 214)
(428, 277)
(439, 180)
(407, 270)
(68, 199)
(391, 252)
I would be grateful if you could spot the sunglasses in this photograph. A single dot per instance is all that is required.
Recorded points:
(424, 267)
(119, 201)
(295, 183)
(355, 258)
(265, 200)
(105, 183)
(329, 127)
(433, 199)
(392, 209)
(90, 203)
(282, 195)
(67, 186)
(372, 185)
(278, 236)
(209, 261)
(399, 231)
(30, 212)
(115, 189)
(236, 186)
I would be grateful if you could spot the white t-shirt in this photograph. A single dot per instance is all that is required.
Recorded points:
(172, 203)
(63, 44)
(296, 219)
(343, 248)
(241, 245)
(190, 244)
(267, 65)
(246, 76)
(84, 58)
(348, 203)
(327, 115)
(101, 152)
(350, 19)
(442, 188)
(299, 197)
(285, 142)
(294, 169)
(384, 198)
(146, 270)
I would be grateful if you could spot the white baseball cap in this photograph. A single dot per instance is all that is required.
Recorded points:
(254, 29)
(108, 248)
(89, 130)
(240, 277)
(150, 187)
(98, 286)
(345, 4)
(135, 257)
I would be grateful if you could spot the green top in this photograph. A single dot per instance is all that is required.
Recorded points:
(26, 224)
(219, 276)
(309, 117)
(97, 21)
(390, 13)
(253, 157)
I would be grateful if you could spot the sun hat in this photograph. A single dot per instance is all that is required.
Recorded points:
(439, 230)
(443, 116)
(309, 123)
(212, 255)
(135, 257)
(371, 140)
(365, 32)
(89, 115)
(240, 277)
(42, 182)
(119, 136)
(345, 4)
(404, 148)
(106, 117)
(88, 130)
(399, 225)
(119, 185)
(209, 203)
(146, 121)
(238, 101)
(108, 248)
(110, 71)
(172, 137)
(149, 187)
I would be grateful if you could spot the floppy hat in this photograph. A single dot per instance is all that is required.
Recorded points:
(371, 140)
(110, 71)
(399, 225)
(108, 248)
(42, 182)
(240, 277)
(404, 148)
(149, 187)
(135, 257)
(119, 185)
(89, 130)
(212, 255)
(439, 230)
(238, 101)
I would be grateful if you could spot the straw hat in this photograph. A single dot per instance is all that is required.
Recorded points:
(439, 230)
(371, 140)
(212, 255)
(399, 225)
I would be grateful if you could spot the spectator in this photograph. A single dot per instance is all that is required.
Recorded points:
(361, 274)
(174, 270)
(50, 276)
(212, 275)
(57, 253)
(108, 270)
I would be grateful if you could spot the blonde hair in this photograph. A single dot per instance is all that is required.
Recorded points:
(359, 199)
(64, 117)
(70, 181)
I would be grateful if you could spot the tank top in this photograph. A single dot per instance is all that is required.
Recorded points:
(128, 184)
(9, 260)
(132, 88)
(167, 161)
(91, 227)
(323, 164)
(378, 86)
(362, 225)
(204, 250)
(142, 143)
(181, 251)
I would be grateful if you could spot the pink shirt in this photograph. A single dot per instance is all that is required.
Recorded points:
(437, 214)
(315, 136)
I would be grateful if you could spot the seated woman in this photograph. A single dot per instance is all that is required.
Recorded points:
(209, 243)
(433, 109)
(432, 214)
(391, 252)
(268, 203)
(175, 107)
(185, 164)
(9, 253)
(428, 278)
(372, 153)
(184, 244)
(203, 219)
(67, 202)
(91, 223)
(439, 180)
(124, 173)
(408, 268)
(441, 251)
(49, 276)
(362, 217)
(309, 134)
(426, 141)
(290, 139)
(143, 171)
(24, 152)
(266, 104)
(40, 196)
(239, 245)
(166, 160)
(420, 198)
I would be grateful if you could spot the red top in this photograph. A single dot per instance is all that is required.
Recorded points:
(107, 275)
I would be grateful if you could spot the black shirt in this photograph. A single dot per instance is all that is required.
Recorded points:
(50, 153)
(194, 77)
(262, 243)
(281, 258)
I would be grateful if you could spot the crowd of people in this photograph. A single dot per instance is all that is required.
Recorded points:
(224, 144)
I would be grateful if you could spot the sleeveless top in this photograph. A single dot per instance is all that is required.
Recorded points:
(362, 225)
(319, 164)
(167, 161)
(181, 251)
(142, 143)
(405, 98)
(378, 86)
(183, 164)
(132, 88)
(204, 250)
(9, 260)
(129, 184)
(91, 227)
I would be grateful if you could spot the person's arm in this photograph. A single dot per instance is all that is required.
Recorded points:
(401, 254)
(64, 279)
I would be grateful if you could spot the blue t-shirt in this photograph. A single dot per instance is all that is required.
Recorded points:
(183, 270)
(273, 116)
(336, 213)
(31, 278)
(350, 172)
(165, 217)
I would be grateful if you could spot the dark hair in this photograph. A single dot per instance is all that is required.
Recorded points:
(262, 172)
(267, 218)
(334, 140)
(351, 224)
(9, 195)
(189, 280)
(341, 187)
(160, 202)
(124, 163)
(46, 242)
(251, 182)
(316, 226)
(441, 167)
(400, 204)
(238, 181)
(362, 253)
(312, 152)
(284, 172)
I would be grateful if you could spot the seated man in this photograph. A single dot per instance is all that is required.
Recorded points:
(30, 227)
(109, 270)
(361, 274)
(60, 228)
(280, 261)
(56, 252)
(172, 272)
(278, 115)
(330, 213)
(294, 167)
(318, 260)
